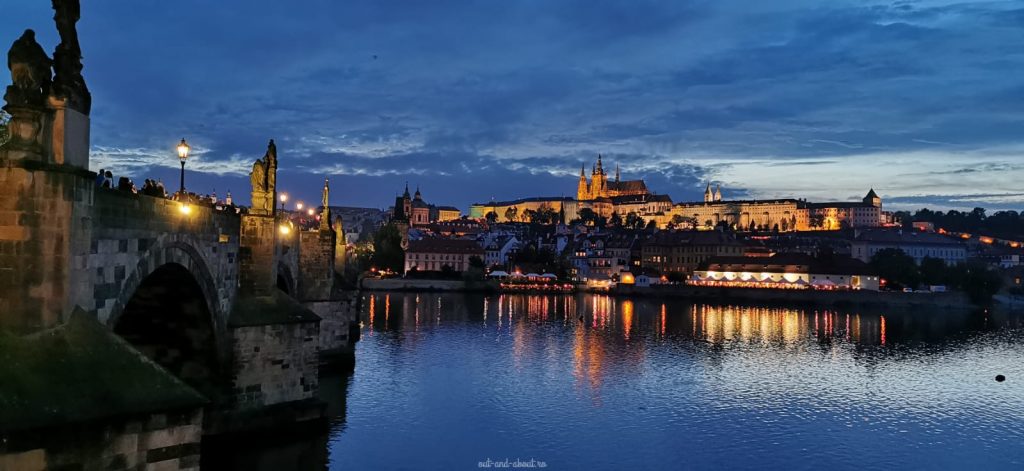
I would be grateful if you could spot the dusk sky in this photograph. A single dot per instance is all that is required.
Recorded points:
(922, 100)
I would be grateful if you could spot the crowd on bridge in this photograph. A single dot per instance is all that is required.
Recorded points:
(155, 188)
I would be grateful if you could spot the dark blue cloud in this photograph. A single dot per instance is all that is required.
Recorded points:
(506, 99)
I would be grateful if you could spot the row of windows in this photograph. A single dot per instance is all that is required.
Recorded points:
(431, 256)
(435, 266)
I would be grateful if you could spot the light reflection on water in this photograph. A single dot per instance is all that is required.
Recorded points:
(448, 380)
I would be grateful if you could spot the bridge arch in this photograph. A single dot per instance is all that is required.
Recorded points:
(168, 310)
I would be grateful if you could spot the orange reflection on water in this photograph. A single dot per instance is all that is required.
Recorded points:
(373, 309)
(663, 309)
(627, 317)
(728, 323)
(882, 329)
(588, 360)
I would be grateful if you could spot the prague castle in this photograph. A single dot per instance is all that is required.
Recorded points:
(607, 197)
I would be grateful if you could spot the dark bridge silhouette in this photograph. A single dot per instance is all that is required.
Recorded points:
(124, 317)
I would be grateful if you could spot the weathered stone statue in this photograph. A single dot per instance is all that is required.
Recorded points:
(264, 181)
(68, 83)
(258, 176)
(30, 72)
(325, 214)
(271, 158)
(26, 97)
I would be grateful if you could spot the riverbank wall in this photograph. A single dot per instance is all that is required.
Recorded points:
(407, 284)
(948, 300)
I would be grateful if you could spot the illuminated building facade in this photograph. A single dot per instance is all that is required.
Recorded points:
(917, 244)
(435, 254)
(786, 271)
(683, 251)
(514, 210)
(782, 215)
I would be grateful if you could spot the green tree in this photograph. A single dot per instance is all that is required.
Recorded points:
(934, 271)
(816, 221)
(491, 217)
(476, 269)
(633, 221)
(678, 220)
(615, 220)
(545, 214)
(511, 213)
(980, 282)
(587, 216)
(896, 267)
(387, 248)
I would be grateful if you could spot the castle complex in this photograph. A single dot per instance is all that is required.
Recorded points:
(616, 196)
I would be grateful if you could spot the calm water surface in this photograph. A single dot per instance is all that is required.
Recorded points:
(447, 381)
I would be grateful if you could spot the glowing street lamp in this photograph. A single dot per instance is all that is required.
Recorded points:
(298, 206)
(310, 211)
(183, 149)
(284, 198)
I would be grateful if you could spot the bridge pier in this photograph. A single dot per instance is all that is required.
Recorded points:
(45, 226)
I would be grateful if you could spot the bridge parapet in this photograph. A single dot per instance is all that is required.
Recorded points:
(136, 234)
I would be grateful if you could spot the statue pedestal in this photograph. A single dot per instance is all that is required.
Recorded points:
(69, 135)
(262, 203)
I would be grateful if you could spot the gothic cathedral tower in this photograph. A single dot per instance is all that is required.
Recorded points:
(583, 190)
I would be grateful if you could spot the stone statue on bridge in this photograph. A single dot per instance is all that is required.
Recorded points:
(30, 72)
(264, 182)
(325, 214)
(68, 83)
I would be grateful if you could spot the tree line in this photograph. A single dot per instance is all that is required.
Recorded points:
(1006, 224)
(974, 278)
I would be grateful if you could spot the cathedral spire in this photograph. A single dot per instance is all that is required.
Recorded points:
(616, 173)
(718, 192)
(406, 194)
(708, 195)
(600, 169)
(583, 170)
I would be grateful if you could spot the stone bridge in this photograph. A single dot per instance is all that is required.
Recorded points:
(144, 321)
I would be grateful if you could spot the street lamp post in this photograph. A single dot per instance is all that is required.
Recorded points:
(284, 198)
(183, 149)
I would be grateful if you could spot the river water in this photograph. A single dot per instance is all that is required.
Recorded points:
(453, 381)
